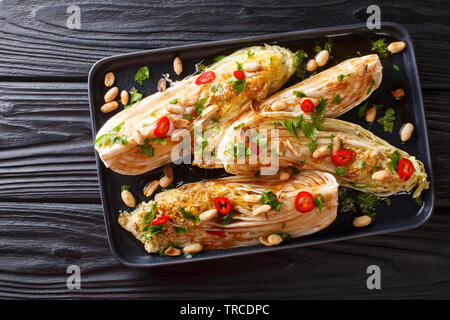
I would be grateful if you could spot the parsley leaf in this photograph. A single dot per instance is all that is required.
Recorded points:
(250, 53)
(299, 94)
(342, 76)
(135, 96)
(188, 215)
(142, 74)
(388, 120)
(340, 171)
(346, 201)
(372, 83)
(108, 139)
(395, 159)
(319, 201)
(124, 187)
(159, 140)
(396, 67)
(300, 63)
(180, 230)
(336, 99)
(270, 198)
(199, 67)
(218, 58)
(227, 219)
(380, 47)
(200, 106)
(362, 110)
(146, 148)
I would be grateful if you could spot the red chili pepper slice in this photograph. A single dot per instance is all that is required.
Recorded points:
(239, 74)
(405, 169)
(304, 202)
(342, 157)
(159, 220)
(217, 233)
(223, 205)
(162, 127)
(307, 105)
(205, 77)
(254, 148)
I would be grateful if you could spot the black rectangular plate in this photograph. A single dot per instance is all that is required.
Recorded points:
(402, 214)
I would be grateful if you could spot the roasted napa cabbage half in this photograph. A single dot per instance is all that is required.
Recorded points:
(335, 91)
(182, 208)
(127, 144)
(268, 143)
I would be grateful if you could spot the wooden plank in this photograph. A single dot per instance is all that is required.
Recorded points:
(35, 42)
(46, 151)
(40, 240)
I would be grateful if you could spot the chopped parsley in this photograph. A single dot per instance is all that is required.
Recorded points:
(188, 215)
(239, 151)
(135, 96)
(142, 74)
(376, 167)
(270, 198)
(300, 63)
(368, 203)
(124, 187)
(286, 236)
(299, 94)
(250, 53)
(187, 116)
(200, 106)
(180, 230)
(388, 120)
(199, 67)
(108, 139)
(159, 140)
(227, 219)
(216, 87)
(396, 67)
(372, 83)
(340, 171)
(361, 164)
(336, 99)
(294, 169)
(146, 148)
(218, 58)
(342, 76)
(257, 173)
(237, 85)
(146, 229)
(319, 201)
(174, 101)
(330, 145)
(419, 201)
(362, 110)
(346, 201)
(395, 159)
(380, 47)
(238, 126)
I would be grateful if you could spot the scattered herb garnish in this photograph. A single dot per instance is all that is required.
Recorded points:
(340, 171)
(108, 139)
(361, 164)
(388, 120)
(342, 76)
(286, 236)
(142, 74)
(396, 67)
(294, 169)
(299, 94)
(375, 167)
(135, 96)
(216, 87)
(372, 83)
(250, 53)
(146, 148)
(380, 47)
(227, 219)
(159, 140)
(124, 187)
(346, 201)
(174, 101)
(367, 202)
(238, 126)
(199, 67)
(319, 201)
(200, 106)
(188, 215)
(218, 58)
(180, 230)
(300, 63)
(395, 159)
(330, 145)
(257, 173)
(362, 110)
(270, 198)
(336, 99)
(419, 201)
(146, 229)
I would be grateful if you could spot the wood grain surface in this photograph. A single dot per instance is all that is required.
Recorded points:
(50, 213)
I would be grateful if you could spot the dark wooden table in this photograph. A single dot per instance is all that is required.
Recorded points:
(50, 213)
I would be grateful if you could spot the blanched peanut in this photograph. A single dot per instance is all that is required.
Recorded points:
(165, 181)
(175, 109)
(172, 252)
(111, 94)
(210, 111)
(108, 107)
(137, 136)
(380, 175)
(162, 85)
(279, 105)
(398, 93)
(311, 65)
(177, 65)
(150, 188)
(371, 113)
(168, 171)
(320, 152)
(109, 79)
(322, 58)
(208, 215)
(284, 175)
(181, 123)
(362, 221)
(193, 248)
(189, 100)
(406, 132)
(271, 240)
(251, 66)
(336, 145)
(128, 198)
(124, 97)
(396, 47)
(261, 209)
